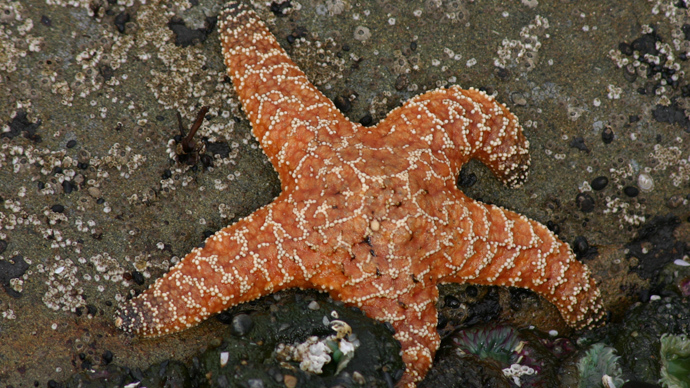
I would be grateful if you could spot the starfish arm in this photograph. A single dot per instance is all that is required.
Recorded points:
(496, 246)
(461, 124)
(286, 111)
(413, 315)
(256, 256)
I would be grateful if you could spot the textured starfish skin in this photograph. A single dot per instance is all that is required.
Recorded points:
(370, 215)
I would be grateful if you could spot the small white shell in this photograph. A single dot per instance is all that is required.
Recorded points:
(607, 381)
(645, 182)
(224, 357)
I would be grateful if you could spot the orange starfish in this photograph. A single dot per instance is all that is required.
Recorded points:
(370, 215)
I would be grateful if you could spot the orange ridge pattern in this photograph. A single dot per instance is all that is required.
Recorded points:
(370, 215)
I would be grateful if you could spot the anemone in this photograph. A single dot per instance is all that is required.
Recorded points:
(599, 360)
(675, 361)
(499, 343)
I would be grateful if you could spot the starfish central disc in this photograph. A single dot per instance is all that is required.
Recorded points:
(370, 215)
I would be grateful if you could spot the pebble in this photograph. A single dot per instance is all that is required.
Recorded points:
(518, 99)
(138, 277)
(276, 374)
(314, 305)
(67, 187)
(599, 183)
(107, 357)
(241, 325)
(94, 192)
(290, 381)
(343, 104)
(631, 191)
(607, 135)
(255, 383)
(451, 301)
(358, 378)
(91, 309)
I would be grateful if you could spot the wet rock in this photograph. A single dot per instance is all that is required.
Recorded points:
(655, 246)
(249, 360)
(639, 339)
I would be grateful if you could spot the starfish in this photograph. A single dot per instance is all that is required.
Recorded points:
(370, 215)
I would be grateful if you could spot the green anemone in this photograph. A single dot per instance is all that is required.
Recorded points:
(675, 361)
(499, 343)
(599, 360)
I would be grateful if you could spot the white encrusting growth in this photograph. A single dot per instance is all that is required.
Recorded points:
(370, 215)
